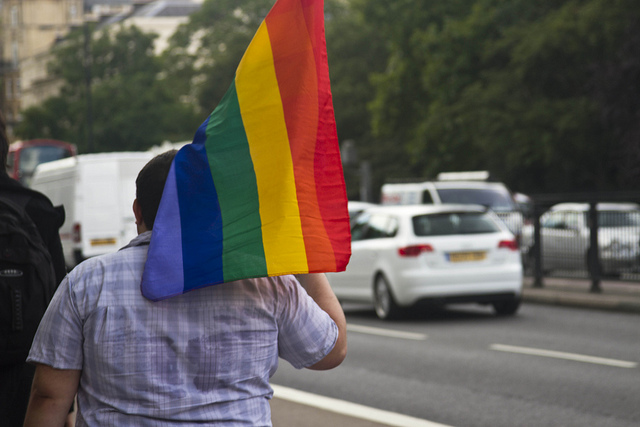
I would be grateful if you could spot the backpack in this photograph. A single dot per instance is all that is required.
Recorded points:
(27, 280)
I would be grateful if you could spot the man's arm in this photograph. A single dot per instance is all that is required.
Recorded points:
(318, 288)
(52, 393)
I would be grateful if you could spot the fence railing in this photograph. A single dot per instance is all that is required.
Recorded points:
(563, 228)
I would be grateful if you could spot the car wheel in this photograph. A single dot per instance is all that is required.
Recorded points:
(507, 307)
(385, 305)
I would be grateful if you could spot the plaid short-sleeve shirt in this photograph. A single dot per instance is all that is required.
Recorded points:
(202, 357)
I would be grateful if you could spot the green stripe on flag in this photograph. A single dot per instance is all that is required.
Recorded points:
(235, 181)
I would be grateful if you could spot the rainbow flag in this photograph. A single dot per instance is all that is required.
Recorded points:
(260, 191)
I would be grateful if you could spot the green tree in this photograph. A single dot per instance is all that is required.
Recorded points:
(356, 50)
(529, 90)
(205, 52)
(133, 106)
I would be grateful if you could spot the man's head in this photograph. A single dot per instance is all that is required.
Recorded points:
(4, 142)
(150, 185)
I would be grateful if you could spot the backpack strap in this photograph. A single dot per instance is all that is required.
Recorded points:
(17, 201)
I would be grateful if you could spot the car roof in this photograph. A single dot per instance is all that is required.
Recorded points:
(446, 184)
(583, 207)
(475, 185)
(411, 210)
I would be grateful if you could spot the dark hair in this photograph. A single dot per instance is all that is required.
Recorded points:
(150, 185)
(4, 142)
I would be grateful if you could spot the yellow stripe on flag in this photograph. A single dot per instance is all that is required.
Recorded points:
(263, 120)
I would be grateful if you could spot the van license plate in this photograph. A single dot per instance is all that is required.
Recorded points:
(467, 256)
(103, 242)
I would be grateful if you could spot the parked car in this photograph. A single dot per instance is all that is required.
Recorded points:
(403, 255)
(459, 188)
(565, 237)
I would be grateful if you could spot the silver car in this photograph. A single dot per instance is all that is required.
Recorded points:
(565, 237)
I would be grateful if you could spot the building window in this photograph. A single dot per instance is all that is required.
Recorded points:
(14, 16)
(8, 88)
(14, 54)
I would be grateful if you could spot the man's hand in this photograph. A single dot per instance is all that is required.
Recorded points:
(318, 288)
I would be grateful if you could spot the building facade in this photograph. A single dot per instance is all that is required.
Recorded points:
(29, 29)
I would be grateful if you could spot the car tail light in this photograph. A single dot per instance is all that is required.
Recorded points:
(414, 250)
(509, 244)
(76, 233)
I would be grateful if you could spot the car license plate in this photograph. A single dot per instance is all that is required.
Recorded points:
(466, 256)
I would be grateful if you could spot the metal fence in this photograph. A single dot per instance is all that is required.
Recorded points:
(562, 229)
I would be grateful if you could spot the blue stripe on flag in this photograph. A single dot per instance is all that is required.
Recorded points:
(200, 216)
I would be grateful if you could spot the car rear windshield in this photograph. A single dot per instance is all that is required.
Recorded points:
(497, 200)
(453, 223)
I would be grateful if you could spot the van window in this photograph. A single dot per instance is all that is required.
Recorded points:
(426, 197)
(498, 201)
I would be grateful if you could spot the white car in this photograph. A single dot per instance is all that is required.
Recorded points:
(403, 255)
(564, 232)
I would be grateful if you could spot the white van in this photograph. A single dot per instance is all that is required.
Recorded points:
(459, 188)
(97, 192)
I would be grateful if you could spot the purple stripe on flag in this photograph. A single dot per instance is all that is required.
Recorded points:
(165, 263)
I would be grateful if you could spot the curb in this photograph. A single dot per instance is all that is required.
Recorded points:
(602, 301)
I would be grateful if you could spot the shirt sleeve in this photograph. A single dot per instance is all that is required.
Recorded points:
(306, 332)
(58, 341)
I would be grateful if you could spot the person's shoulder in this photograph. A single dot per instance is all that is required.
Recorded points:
(113, 261)
(12, 188)
(115, 269)
(259, 287)
(283, 282)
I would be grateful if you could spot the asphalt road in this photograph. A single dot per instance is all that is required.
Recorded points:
(466, 367)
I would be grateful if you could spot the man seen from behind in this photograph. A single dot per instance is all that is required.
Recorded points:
(201, 358)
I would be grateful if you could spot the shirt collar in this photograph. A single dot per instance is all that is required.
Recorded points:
(140, 240)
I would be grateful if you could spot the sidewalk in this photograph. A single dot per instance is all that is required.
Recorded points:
(614, 295)
(290, 407)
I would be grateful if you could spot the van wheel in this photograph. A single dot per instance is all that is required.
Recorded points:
(384, 303)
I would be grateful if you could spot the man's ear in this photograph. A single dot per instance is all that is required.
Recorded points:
(137, 212)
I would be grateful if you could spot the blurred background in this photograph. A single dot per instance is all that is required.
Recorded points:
(543, 94)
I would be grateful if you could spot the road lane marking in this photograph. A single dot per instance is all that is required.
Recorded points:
(350, 409)
(562, 355)
(385, 332)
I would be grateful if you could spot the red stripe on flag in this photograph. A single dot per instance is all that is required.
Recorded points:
(332, 196)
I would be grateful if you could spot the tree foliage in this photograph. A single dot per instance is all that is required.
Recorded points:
(132, 106)
(528, 90)
(205, 52)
